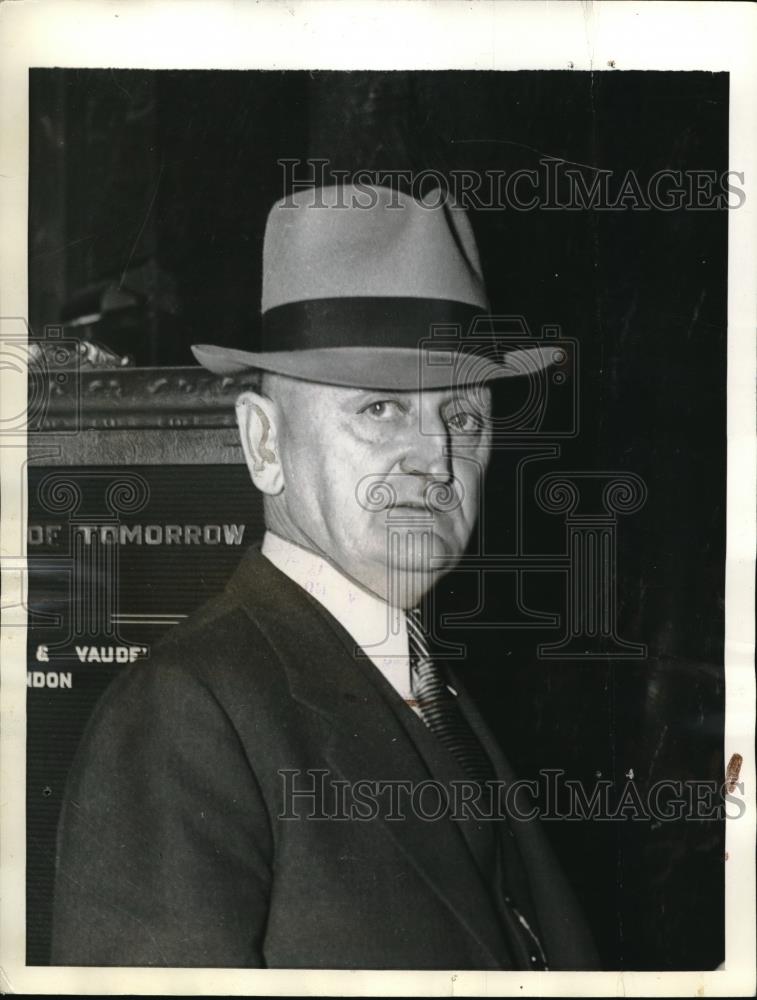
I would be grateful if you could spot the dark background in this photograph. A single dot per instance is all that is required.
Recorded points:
(160, 182)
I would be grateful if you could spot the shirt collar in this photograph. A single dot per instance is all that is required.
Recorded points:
(377, 628)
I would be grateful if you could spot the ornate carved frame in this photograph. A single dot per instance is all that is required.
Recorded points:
(133, 416)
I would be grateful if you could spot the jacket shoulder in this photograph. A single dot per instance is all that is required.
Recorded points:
(228, 634)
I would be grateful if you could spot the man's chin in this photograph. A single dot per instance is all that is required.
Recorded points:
(416, 571)
(416, 548)
(401, 568)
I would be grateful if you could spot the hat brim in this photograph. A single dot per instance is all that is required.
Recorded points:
(399, 369)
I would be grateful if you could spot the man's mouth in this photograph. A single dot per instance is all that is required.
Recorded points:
(413, 505)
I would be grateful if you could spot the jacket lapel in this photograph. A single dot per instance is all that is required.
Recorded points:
(366, 740)
(515, 873)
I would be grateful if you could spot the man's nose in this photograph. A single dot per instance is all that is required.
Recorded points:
(427, 452)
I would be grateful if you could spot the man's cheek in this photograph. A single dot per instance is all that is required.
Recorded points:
(481, 453)
(468, 473)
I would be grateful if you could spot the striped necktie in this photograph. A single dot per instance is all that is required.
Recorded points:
(440, 711)
(438, 705)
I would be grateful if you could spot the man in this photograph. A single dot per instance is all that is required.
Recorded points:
(223, 810)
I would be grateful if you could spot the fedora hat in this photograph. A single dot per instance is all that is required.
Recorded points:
(368, 287)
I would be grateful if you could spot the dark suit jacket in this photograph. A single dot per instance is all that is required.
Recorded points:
(172, 850)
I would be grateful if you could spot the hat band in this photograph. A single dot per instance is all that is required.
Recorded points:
(365, 321)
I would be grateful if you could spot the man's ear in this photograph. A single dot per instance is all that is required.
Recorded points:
(258, 420)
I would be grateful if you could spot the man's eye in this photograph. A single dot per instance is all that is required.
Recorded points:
(464, 422)
(382, 409)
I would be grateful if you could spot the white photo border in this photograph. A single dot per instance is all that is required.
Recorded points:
(373, 34)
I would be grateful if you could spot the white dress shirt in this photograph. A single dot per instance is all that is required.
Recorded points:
(378, 629)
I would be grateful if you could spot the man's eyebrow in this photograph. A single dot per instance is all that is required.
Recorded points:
(471, 398)
(358, 395)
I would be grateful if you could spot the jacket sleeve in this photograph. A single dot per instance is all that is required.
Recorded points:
(164, 844)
